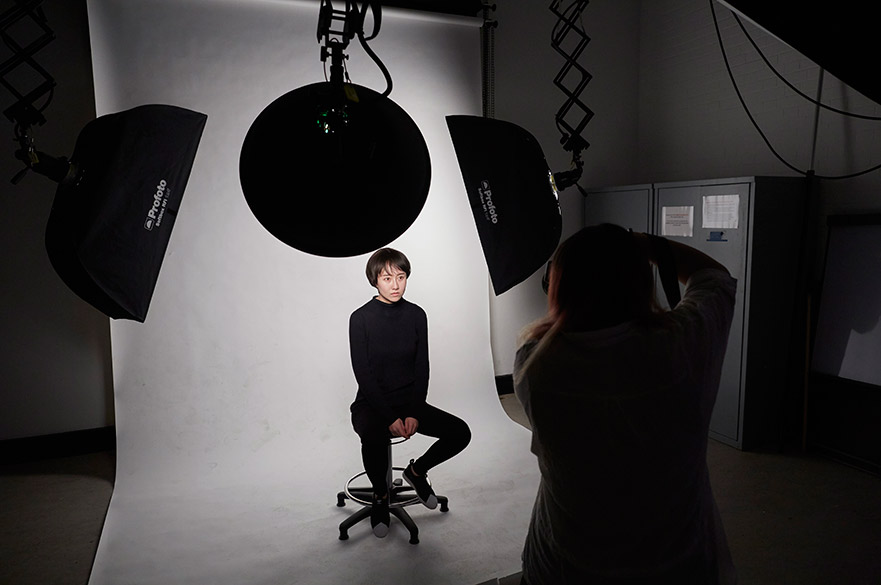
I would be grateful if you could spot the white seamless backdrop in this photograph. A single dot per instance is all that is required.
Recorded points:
(232, 398)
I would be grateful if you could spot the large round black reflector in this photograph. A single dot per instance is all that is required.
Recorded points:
(335, 169)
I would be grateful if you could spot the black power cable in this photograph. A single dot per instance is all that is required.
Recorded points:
(363, 39)
(756, 125)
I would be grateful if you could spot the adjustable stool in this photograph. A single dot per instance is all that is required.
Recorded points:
(400, 496)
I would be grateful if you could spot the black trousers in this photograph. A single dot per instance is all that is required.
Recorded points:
(452, 434)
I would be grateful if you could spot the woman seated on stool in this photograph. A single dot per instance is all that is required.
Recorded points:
(619, 397)
(388, 338)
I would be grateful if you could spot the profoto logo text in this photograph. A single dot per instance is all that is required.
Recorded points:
(486, 200)
(157, 209)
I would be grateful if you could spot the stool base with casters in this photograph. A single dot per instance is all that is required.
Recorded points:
(400, 496)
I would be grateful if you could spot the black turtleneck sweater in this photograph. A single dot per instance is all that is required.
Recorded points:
(389, 347)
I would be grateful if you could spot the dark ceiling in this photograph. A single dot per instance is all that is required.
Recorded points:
(458, 7)
(841, 37)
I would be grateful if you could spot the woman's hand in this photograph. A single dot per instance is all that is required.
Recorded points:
(397, 429)
(410, 425)
(404, 428)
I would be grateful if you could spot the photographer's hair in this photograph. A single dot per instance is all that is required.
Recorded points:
(386, 257)
(599, 277)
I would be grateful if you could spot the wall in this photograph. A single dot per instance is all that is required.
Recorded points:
(692, 123)
(666, 110)
(527, 96)
(55, 348)
(693, 126)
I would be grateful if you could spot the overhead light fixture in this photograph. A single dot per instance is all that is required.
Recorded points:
(117, 195)
(336, 169)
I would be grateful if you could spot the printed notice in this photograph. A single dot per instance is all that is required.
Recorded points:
(677, 221)
(721, 211)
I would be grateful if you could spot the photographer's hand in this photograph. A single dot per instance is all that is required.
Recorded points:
(686, 259)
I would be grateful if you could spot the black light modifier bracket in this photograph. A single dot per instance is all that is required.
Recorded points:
(336, 41)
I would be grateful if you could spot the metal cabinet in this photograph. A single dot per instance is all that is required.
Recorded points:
(753, 226)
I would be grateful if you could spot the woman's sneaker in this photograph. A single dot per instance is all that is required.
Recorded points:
(379, 516)
(422, 487)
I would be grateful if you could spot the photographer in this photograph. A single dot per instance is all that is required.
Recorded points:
(619, 396)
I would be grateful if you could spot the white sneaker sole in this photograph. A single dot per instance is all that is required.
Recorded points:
(380, 530)
(430, 503)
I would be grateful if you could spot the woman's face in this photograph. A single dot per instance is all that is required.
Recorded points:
(391, 284)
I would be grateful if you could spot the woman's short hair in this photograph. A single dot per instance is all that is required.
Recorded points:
(386, 257)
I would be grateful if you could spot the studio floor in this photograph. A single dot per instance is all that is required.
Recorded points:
(790, 518)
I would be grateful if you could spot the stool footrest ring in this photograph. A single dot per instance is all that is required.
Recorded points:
(364, 495)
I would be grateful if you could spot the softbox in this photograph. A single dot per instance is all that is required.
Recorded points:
(334, 169)
(512, 196)
(110, 224)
